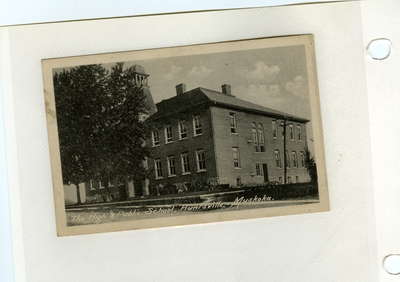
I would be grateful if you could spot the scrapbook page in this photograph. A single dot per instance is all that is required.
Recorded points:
(211, 139)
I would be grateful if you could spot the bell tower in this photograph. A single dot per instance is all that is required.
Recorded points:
(141, 77)
(142, 80)
(142, 188)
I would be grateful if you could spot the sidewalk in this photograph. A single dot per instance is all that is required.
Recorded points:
(199, 196)
(198, 200)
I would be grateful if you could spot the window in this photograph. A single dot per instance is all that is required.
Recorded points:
(254, 136)
(278, 162)
(289, 179)
(287, 159)
(236, 157)
(158, 168)
(257, 135)
(296, 179)
(238, 181)
(299, 132)
(232, 120)
(283, 125)
(168, 134)
(261, 141)
(155, 136)
(197, 126)
(291, 132)
(302, 159)
(259, 171)
(182, 129)
(171, 166)
(91, 185)
(294, 159)
(185, 163)
(274, 129)
(280, 179)
(201, 160)
(101, 184)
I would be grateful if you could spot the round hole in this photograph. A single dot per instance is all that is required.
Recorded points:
(379, 49)
(391, 264)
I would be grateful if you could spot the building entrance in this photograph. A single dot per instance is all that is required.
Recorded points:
(265, 172)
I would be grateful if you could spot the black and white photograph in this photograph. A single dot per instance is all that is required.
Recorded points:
(185, 135)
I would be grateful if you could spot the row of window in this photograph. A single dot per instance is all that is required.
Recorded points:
(93, 185)
(289, 179)
(182, 128)
(291, 159)
(257, 131)
(172, 162)
(293, 134)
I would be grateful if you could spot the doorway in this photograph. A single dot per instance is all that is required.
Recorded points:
(265, 172)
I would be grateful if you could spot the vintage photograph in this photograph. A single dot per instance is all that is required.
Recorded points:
(185, 135)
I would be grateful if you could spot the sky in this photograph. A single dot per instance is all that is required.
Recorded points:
(272, 77)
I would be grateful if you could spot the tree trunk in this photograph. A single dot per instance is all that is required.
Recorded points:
(145, 187)
(108, 191)
(78, 195)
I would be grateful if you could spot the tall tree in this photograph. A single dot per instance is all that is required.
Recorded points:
(124, 129)
(311, 167)
(100, 123)
(78, 95)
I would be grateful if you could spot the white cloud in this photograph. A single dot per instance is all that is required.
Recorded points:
(261, 72)
(262, 94)
(274, 96)
(199, 72)
(297, 86)
(173, 72)
(264, 90)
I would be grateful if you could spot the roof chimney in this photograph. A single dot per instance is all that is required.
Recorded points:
(226, 89)
(180, 89)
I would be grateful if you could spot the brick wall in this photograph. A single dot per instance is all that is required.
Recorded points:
(218, 141)
(188, 145)
(224, 140)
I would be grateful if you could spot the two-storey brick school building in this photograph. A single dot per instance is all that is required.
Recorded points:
(207, 136)
(204, 136)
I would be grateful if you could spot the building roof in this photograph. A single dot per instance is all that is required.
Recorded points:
(151, 107)
(202, 96)
(139, 69)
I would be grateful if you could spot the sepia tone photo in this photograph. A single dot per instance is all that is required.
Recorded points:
(185, 135)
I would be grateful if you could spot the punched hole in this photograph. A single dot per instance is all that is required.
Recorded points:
(379, 49)
(391, 264)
